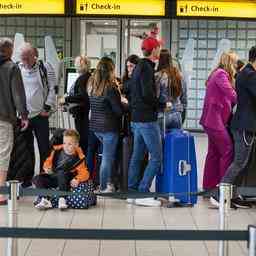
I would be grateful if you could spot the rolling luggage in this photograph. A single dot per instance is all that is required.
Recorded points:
(179, 172)
(22, 161)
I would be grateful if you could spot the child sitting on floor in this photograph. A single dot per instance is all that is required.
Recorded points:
(58, 171)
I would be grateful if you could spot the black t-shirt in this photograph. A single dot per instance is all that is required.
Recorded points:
(64, 162)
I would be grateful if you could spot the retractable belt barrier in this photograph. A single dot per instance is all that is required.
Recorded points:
(124, 234)
(117, 195)
(245, 191)
(223, 235)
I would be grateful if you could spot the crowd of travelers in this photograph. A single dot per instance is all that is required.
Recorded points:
(151, 89)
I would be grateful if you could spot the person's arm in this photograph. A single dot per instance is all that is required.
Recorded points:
(18, 93)
(114, 99)
(82, 173)
(251, 84)
(184, 96)
(225, 86)
(47, 166)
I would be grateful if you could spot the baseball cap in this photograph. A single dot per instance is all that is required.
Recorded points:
(149, 44)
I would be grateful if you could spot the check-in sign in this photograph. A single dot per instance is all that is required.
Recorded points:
(49, 7)
(121, 7)
(217, 8)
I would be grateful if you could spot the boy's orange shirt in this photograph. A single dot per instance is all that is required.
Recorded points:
(81, 170)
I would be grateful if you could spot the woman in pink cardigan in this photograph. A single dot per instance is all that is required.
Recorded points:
(217, 111)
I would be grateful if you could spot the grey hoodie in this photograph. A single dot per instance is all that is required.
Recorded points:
(12, 93)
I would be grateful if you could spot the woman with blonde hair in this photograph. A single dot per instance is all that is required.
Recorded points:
(106, 111)
(79, 97)
(219, 100)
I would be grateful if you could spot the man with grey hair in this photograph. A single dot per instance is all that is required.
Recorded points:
(39, 82)
(12, 100)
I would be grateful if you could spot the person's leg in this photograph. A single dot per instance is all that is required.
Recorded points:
(243, 147)
(139, 149)
(109, 142)
(225, 147)
(93, 144)
(45, 181)
(81, 124)
(64, 179)
(29, 137)
(41, 128)
(6, 144)
(211, 166)
(152, 138)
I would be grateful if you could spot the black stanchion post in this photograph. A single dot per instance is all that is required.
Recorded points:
(225, 201)
(12, 243)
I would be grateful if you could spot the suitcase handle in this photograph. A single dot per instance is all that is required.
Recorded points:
(184, 167)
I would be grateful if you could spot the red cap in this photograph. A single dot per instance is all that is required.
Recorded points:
(149, 44)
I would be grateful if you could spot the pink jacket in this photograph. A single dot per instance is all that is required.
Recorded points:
(219, 99)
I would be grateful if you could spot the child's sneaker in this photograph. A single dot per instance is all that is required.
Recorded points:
(44, 204)
(62, 205)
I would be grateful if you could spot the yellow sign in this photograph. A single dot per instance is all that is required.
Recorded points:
(217, 8)
(121, 7)
(32, 7)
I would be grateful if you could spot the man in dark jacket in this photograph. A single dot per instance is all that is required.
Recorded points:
(243, 124)
(144, 124)
(12, 100)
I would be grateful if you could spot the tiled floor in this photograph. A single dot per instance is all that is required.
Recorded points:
(116, 214)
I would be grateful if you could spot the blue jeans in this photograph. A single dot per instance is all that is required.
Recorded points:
(109, 141)
(146, 137)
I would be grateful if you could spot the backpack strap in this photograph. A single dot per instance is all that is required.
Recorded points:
(43, 73)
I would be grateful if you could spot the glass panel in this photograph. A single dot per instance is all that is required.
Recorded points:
(251, 34)
(231, 33)
(212, 33)
(241, 44)
(191, 123)
(100, 38)
(241, 34)
(231, 24)
(221, 34)
(241, 24)
(191, 114)
(193, 34)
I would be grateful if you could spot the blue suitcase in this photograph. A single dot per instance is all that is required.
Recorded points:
(179, 172)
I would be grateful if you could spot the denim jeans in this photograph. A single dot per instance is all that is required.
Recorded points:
(146, 137)
(109, 141)
(243, 146)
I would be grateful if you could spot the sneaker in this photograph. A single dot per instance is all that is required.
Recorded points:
(44, 204)
(240, 203)
(109, 189)
(62, 205)
(214, 202)
(130, 200)
(148, 202)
